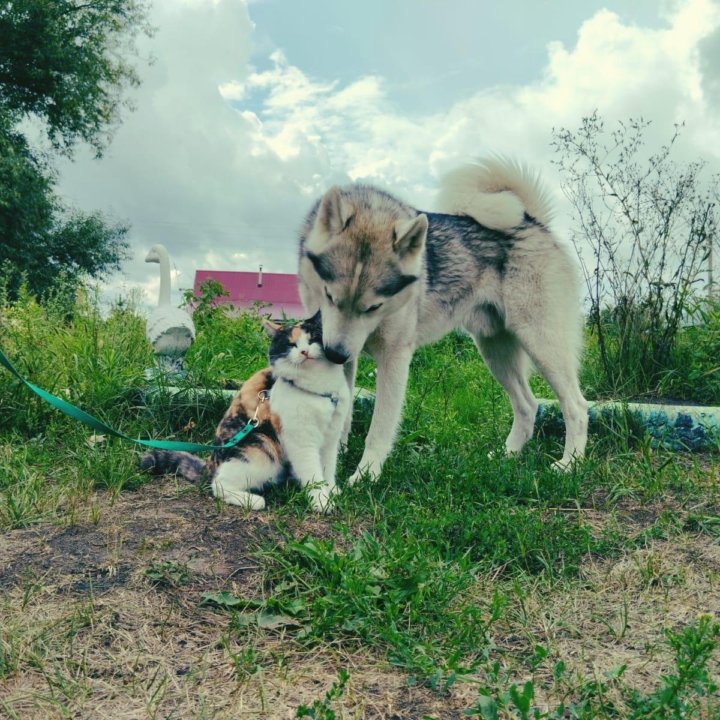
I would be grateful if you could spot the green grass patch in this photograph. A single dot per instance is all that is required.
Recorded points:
(426, 569)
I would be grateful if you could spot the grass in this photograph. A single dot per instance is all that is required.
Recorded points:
(690, 373)
(454, 586)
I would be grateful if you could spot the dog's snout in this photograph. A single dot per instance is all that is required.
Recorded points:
(338, 355)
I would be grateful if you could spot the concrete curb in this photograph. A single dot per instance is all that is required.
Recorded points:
(675, 427)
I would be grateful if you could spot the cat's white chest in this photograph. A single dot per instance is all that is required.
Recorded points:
(302, 411)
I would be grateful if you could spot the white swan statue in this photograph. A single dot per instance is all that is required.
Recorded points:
(170, 330)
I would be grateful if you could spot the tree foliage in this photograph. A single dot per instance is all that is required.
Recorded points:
(63, 64)
(64, 61)
(41, 240)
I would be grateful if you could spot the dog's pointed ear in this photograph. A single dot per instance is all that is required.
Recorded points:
(271, 328)
(334, 213)
(410, 235)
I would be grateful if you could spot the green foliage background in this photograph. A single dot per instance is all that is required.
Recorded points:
(63, 64)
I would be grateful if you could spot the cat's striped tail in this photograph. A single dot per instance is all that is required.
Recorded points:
(171, 462)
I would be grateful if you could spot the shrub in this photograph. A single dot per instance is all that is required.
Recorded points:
(649, 224)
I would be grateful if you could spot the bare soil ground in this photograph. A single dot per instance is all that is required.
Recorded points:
(95, 637)
(87, 634)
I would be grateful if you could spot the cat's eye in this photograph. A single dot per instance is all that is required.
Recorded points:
(373, 308)
(329, 297)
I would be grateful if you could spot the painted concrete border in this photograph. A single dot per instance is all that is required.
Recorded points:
(675, 427)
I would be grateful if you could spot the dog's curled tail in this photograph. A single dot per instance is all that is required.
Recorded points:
(171, 462)
(497, 192)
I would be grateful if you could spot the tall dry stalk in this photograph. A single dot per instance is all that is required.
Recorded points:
(644, 227)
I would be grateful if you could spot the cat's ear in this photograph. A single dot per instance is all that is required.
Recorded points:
(316, 318)
(271, 328)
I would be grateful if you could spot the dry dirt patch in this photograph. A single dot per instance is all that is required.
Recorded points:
(86, 634)
(130, 532)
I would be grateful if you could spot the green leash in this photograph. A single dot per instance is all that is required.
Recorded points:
(77, 414)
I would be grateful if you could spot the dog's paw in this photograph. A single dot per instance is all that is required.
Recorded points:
(362, 474)
(565, 465)
(500, 454)
(322, 499)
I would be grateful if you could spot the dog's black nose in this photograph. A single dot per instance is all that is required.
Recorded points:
(337, 355)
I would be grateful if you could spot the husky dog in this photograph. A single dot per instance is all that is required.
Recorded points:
(389, 278)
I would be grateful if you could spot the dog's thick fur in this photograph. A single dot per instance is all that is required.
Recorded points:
(389, 278)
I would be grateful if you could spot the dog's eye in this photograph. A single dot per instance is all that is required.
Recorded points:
(329, 297)
(373, 308)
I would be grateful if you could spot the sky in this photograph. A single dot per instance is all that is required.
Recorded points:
(249, 111)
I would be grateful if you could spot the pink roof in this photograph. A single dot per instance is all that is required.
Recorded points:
(278, 289)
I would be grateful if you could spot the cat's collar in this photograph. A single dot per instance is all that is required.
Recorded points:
(332, 397)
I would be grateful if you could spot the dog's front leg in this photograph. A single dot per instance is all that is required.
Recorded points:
(393, 365)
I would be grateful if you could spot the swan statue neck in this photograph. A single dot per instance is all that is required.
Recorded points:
(164, 297)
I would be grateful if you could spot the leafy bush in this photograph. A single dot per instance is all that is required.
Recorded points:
(230, 345)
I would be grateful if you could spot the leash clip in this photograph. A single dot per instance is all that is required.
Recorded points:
(263, 395)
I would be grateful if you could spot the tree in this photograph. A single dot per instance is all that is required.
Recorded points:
(41, 240)
(62, 63)
(649, 224)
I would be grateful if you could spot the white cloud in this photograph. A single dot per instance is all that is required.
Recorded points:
(182, 169)
(221, 160)
(621, 70)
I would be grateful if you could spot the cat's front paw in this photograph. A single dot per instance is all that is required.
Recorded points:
(322, 499)
(247, 500)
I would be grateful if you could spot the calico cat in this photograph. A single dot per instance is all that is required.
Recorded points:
(300, 402)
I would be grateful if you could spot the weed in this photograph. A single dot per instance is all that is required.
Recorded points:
(651, 225)
(168, 574)
(8, 656)
(682, 693)
(685, 693)
(320, 709)
(388, 595)
(246, 661)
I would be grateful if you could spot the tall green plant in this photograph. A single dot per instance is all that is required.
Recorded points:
(644, 226)
(207, 304)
